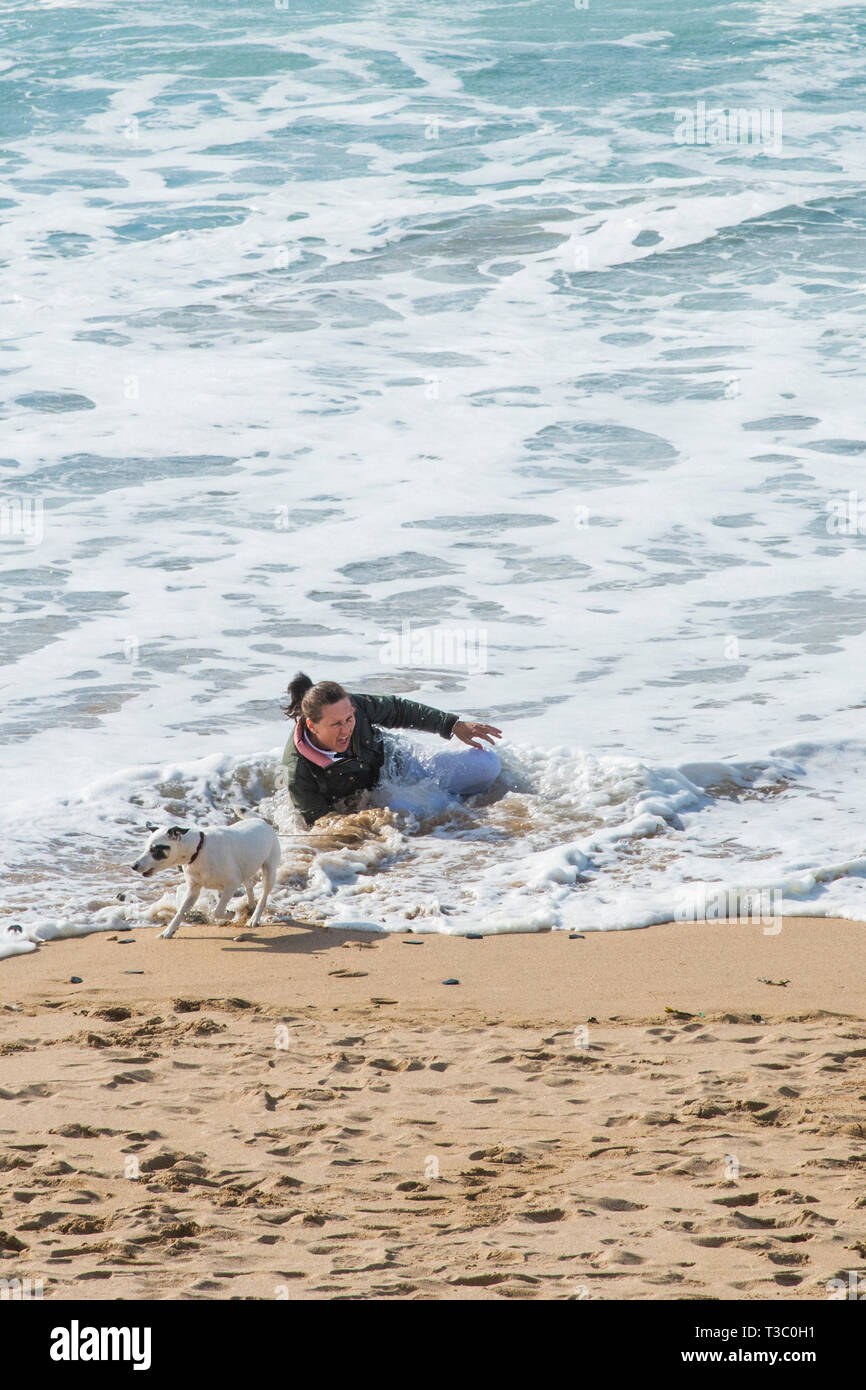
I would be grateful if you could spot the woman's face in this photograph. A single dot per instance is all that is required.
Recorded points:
(334, 730)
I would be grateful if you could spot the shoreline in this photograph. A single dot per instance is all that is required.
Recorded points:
(703, 968)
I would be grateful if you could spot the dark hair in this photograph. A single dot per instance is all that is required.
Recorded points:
(307, 701)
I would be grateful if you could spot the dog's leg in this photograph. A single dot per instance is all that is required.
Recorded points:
(220, 910)
(251, 897)
(189, 900)
(269, 878)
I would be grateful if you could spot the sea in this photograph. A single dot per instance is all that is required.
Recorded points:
(507, 356)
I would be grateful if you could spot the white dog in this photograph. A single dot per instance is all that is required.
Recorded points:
(222, 857)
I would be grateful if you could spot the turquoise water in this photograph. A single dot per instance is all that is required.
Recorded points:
(539, 323)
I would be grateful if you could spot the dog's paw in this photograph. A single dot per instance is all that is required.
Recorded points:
(167, 934)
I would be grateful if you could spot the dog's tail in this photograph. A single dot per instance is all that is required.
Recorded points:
(245, 812)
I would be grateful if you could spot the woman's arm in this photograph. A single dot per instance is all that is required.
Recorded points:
(393, 712)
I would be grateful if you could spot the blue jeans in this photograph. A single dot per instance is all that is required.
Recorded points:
(467, 772)
(414, 780)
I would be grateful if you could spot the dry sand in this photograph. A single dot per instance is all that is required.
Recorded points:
(315, 1114)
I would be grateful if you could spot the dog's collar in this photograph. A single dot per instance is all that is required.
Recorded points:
(198, 847)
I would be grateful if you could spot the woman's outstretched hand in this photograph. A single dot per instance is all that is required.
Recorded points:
(469, 732)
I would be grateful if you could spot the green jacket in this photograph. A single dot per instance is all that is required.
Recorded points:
(315, 790)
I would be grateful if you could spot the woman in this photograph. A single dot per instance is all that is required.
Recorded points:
(337, 749)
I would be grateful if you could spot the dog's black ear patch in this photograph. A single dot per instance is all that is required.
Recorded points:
(177, 832)
(151, 826)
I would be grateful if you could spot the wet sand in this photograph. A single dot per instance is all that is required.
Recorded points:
(302, 1113)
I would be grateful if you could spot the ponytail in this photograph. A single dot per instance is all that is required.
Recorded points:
(296, 691)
